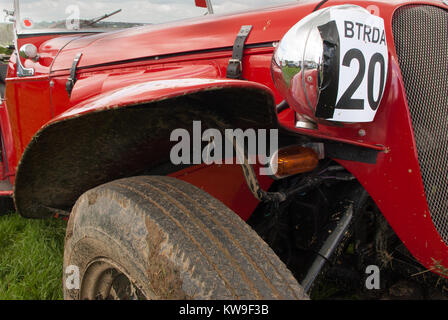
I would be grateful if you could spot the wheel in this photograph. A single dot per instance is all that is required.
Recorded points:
(161, 238)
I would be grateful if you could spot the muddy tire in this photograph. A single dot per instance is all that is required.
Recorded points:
(161, 238)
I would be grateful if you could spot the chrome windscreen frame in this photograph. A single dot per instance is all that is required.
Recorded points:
(21, 70)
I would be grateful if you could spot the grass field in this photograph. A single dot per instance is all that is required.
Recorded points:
(5, 50)
(31, 253)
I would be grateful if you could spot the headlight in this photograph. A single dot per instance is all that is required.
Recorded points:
(333, 64)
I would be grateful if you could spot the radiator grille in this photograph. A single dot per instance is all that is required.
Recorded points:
(421, 40)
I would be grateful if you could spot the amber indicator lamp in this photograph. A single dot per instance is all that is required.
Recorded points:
(293, 160)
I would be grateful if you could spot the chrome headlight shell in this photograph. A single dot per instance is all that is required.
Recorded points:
(313, 65)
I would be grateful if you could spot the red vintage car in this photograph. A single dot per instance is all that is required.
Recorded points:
(98, 95)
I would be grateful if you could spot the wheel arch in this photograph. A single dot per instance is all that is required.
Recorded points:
(125, 133)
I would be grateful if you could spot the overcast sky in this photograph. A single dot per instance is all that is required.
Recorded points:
(5, 4)
(144, 11)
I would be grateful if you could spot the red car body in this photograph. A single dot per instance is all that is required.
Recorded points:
(145, 65)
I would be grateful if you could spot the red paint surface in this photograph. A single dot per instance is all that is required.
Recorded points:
(227, 185)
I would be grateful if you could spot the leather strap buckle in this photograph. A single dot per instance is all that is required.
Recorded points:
(235, 66)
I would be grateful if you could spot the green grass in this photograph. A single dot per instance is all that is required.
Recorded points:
(289, 73)
(31, 253)
(5, 50)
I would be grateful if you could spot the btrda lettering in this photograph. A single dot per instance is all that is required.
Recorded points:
(364, 32)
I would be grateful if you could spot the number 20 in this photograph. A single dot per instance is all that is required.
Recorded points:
(346, 101)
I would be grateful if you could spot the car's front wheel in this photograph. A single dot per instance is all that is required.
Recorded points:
(161, 238)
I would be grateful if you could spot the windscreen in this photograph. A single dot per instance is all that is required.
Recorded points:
(40, 16)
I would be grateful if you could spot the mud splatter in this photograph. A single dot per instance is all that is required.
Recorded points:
(164, 277)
